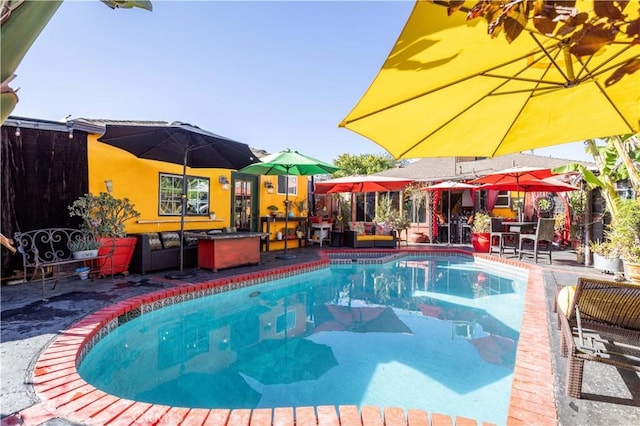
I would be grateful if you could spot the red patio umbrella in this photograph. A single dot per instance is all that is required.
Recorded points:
(368, 183)
(513, 175)
(529, 184)
(549, 184)
(450, 186)
(516, 173)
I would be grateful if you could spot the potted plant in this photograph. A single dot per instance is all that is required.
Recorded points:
(480, 231)
(273, 210)
(104, 216)
(606, 256)
(624, 234)
(84, 248)
(288, 207)
(577, 201)
(384, 211)
(342, 216)
(83, 272)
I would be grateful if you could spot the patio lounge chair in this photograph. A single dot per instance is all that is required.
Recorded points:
(600, 322)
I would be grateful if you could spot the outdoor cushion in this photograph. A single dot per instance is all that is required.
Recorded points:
(154, 241)
(170, 239)
(357, 226)
(367, 237)
(190, 240)
(565, 298)
(375, 237)
(369, 228)
(383, 228)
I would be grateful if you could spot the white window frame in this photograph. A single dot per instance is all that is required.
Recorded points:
(500, 200)
(293, 185)
(170, 195)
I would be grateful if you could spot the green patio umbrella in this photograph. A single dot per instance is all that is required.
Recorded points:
(286, 163)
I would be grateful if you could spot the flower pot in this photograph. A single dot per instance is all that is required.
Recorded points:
(83, 272)
(117, 254)
(605, 264)
(631, 271)
(481, 242)
(418, 237)
(85, 254)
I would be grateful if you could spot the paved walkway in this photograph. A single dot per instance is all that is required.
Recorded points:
(612, 397)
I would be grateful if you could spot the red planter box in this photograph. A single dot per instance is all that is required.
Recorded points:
(121, 250)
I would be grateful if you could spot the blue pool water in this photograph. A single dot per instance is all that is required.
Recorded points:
(437, 334)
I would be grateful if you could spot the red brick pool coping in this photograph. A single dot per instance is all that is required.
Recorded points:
(64, 394)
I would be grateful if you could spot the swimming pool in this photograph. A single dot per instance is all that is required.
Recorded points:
(419, 306)
(63, 393)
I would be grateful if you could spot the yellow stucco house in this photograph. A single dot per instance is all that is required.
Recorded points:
(79, 163)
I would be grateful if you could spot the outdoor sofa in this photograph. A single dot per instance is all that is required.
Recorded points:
(599, 322)
(370, 235)
(156, 251)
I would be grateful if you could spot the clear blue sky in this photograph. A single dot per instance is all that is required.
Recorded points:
(270, 74)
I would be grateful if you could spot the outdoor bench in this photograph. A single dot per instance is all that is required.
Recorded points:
(47, 253)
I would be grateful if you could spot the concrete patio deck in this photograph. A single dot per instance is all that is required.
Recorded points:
(29, 325)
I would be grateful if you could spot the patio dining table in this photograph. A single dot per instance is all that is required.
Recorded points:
(520, 227)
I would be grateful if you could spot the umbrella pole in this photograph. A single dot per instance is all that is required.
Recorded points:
(449, 227)
(286, 215)
(183, 204)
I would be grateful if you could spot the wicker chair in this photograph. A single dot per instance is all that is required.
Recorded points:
(539, 243)
(600, 322)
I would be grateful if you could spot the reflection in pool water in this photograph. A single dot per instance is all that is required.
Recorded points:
(438, 334)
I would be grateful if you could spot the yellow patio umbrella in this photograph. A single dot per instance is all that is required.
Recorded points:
(449, 89)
